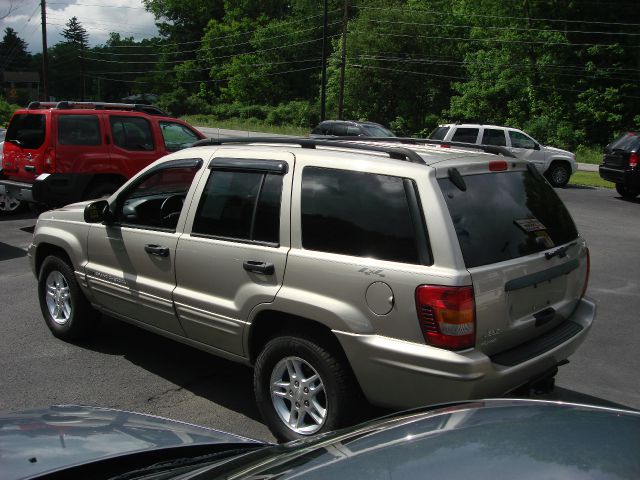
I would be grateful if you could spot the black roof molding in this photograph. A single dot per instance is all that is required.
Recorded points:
(70, 105)
(398, 153)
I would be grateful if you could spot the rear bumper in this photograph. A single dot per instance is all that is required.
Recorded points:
(625, 176)
(399, 374)
(52, 190)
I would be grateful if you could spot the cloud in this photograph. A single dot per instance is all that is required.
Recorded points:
(99, 18)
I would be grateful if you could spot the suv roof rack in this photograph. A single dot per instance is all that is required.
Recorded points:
(69, 105)
(496, 150)
(397, 153)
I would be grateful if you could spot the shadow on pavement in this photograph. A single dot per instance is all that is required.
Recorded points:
(221, 381)
(9, 252)
(17, 216)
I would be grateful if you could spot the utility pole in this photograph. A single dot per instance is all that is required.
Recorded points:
(45, 53)
(343, 63)
(323, 90)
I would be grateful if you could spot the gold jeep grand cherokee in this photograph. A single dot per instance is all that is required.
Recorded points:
(343, 271)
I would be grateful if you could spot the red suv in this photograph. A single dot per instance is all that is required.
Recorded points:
(64, 152)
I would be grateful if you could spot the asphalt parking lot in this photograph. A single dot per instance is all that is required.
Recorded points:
(124, 367)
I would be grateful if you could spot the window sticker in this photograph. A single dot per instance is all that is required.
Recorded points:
(530, 224)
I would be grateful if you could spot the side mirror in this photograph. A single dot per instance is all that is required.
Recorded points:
(97, 212)
(536, 146)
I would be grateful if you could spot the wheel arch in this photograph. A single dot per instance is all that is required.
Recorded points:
(101, 178)
(43, 250)
(561, 160)
(269, 324)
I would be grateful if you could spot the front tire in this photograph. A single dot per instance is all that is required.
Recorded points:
(626, 192)
(303, 388)
(64, 307)
(559, 174)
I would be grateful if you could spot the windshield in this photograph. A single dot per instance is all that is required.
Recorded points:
(377, 131)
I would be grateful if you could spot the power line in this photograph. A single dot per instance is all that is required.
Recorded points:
(215, 58)
(499, 40)
(219, 47)
(501, 28)
(501, 17)
(94, 5)
(207, 81)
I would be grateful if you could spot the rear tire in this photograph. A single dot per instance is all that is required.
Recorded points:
(64, 307)
(626, 192)
(10, 205)
(559, 174)
(303, 388)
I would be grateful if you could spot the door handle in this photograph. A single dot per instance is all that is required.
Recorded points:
(157, 250)
(259, 267)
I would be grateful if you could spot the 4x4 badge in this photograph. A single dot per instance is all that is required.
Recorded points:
(369, 271)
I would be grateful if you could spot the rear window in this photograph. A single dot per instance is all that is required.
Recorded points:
(507, 215)
(28, 129)
(627, 142)
(439, 133)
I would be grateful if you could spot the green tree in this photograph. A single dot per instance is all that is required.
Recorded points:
(13, 52)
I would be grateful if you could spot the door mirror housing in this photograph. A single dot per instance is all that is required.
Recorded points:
(536, 146)
(98, 211)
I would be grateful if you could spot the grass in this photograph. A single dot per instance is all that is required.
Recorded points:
(590, 179)
(589, 154)
(250, 124)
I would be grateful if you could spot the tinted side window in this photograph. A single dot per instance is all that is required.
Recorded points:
(28, 129)
(520, 140)
(494, 136)
(240, 205)
(132, 133)
(359, 214)
(78, 130)
(439, 133)
(157, 199)
(467, 135)
(339, 129)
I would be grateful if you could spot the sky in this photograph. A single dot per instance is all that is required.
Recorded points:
(98, 17)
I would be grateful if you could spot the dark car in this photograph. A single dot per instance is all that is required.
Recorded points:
(489, 439)
(349, 128)
(620, 164)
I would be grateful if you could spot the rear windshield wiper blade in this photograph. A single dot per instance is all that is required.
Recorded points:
(560, 252)
(12, 140)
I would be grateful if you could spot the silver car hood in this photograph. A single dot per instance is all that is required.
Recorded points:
(35, 442)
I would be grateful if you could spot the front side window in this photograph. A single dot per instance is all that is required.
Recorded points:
(466, 135)
(132, 133)
(27, 130)
(79, 130)
(240, 205)
(358, 214)
(494, 136)
(520, 140)
(176, 136)
(156, 201)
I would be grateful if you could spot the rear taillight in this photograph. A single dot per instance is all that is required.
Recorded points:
(447, 316)
(498, 165)
(49, 163)
(586, 275)
(633, 160)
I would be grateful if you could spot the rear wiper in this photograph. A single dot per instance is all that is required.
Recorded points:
(17, 142)
(560, 252)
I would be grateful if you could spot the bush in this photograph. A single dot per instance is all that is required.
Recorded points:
(6, 110)
(296, 113)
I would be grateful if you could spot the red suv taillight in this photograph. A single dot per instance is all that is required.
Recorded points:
(447, 316)
(586, 275)
(49, 162)
(633, 160)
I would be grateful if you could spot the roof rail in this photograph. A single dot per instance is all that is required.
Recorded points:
(68, 105)
(397, 153)
(496, 150)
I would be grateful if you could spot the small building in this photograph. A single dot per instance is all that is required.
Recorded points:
(21, 87)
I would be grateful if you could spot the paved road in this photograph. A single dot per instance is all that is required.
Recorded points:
(128, 368)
